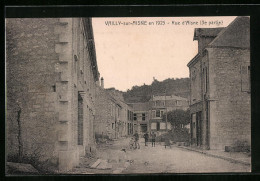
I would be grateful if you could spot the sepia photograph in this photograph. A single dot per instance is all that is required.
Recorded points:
(127, 95)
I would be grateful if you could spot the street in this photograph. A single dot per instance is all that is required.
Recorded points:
(157, 159)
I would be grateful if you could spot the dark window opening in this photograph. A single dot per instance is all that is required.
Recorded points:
(135, 116)
(158, 113)
(143, 116)
(54, 88)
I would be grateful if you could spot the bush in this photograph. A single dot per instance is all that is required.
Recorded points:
(175, 135)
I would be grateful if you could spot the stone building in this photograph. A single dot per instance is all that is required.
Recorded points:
(160, 105)
(220, 86)
(51, 74)
(113, 115)
(148, 116)
(141, 117)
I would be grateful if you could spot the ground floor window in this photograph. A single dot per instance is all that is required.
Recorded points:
(162, 125)
(143, 127)
(153, 125)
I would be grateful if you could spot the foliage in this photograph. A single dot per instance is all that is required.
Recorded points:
(177, 118)
(179, 87)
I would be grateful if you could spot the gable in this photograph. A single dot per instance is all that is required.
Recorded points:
(237, 34)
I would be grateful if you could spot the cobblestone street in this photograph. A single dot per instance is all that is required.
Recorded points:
(157, 160)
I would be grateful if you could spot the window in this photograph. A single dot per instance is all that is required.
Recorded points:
(112, 125)
(153, 126)
(162, 125)
(245, 78)
(135, 117)
(75, 63)
(162, 113)
(111, 109)
(178, 103)
(158, 113)
(153, 114)
(205, 79)
(143, 116)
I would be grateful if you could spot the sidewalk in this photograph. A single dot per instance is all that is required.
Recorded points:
(236, 157)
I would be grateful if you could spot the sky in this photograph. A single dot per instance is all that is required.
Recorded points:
(134, 54)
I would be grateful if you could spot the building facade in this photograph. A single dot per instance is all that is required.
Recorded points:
(148, 116)
(113, 115)
(51, 74)
(141, 117)
(160, 105)
(220, 86)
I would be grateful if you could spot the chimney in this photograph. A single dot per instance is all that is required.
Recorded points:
(102, 82)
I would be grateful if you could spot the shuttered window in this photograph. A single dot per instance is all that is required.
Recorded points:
(245, 78)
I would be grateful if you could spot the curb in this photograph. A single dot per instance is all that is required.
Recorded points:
(216, 156)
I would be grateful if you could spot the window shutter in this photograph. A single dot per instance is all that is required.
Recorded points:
(245, 78)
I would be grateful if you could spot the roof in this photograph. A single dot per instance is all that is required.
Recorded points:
(236, 34)
(194, 59)
(172, 97)
(140, 106)
(206, 32)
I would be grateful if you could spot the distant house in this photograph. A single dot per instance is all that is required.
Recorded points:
(220, 86)
(160, 105)
(148, 116)
(141, 117)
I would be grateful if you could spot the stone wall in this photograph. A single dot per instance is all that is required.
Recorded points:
(31, 83)
(230, 108)
(48, 66)
(103, 119)
(195, 76)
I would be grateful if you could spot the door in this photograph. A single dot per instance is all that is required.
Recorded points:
(158, 126)
(198, 128)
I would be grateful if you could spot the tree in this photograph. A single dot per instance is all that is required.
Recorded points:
(177, 118)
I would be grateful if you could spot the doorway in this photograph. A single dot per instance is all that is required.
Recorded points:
(198, 129)
(80, 120)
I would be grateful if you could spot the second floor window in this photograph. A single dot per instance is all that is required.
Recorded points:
(158, 113)
(111, 109)
(205, 80)
(135, 116)
(143, 116)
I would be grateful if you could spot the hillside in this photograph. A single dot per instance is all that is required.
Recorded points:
(179, 87)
